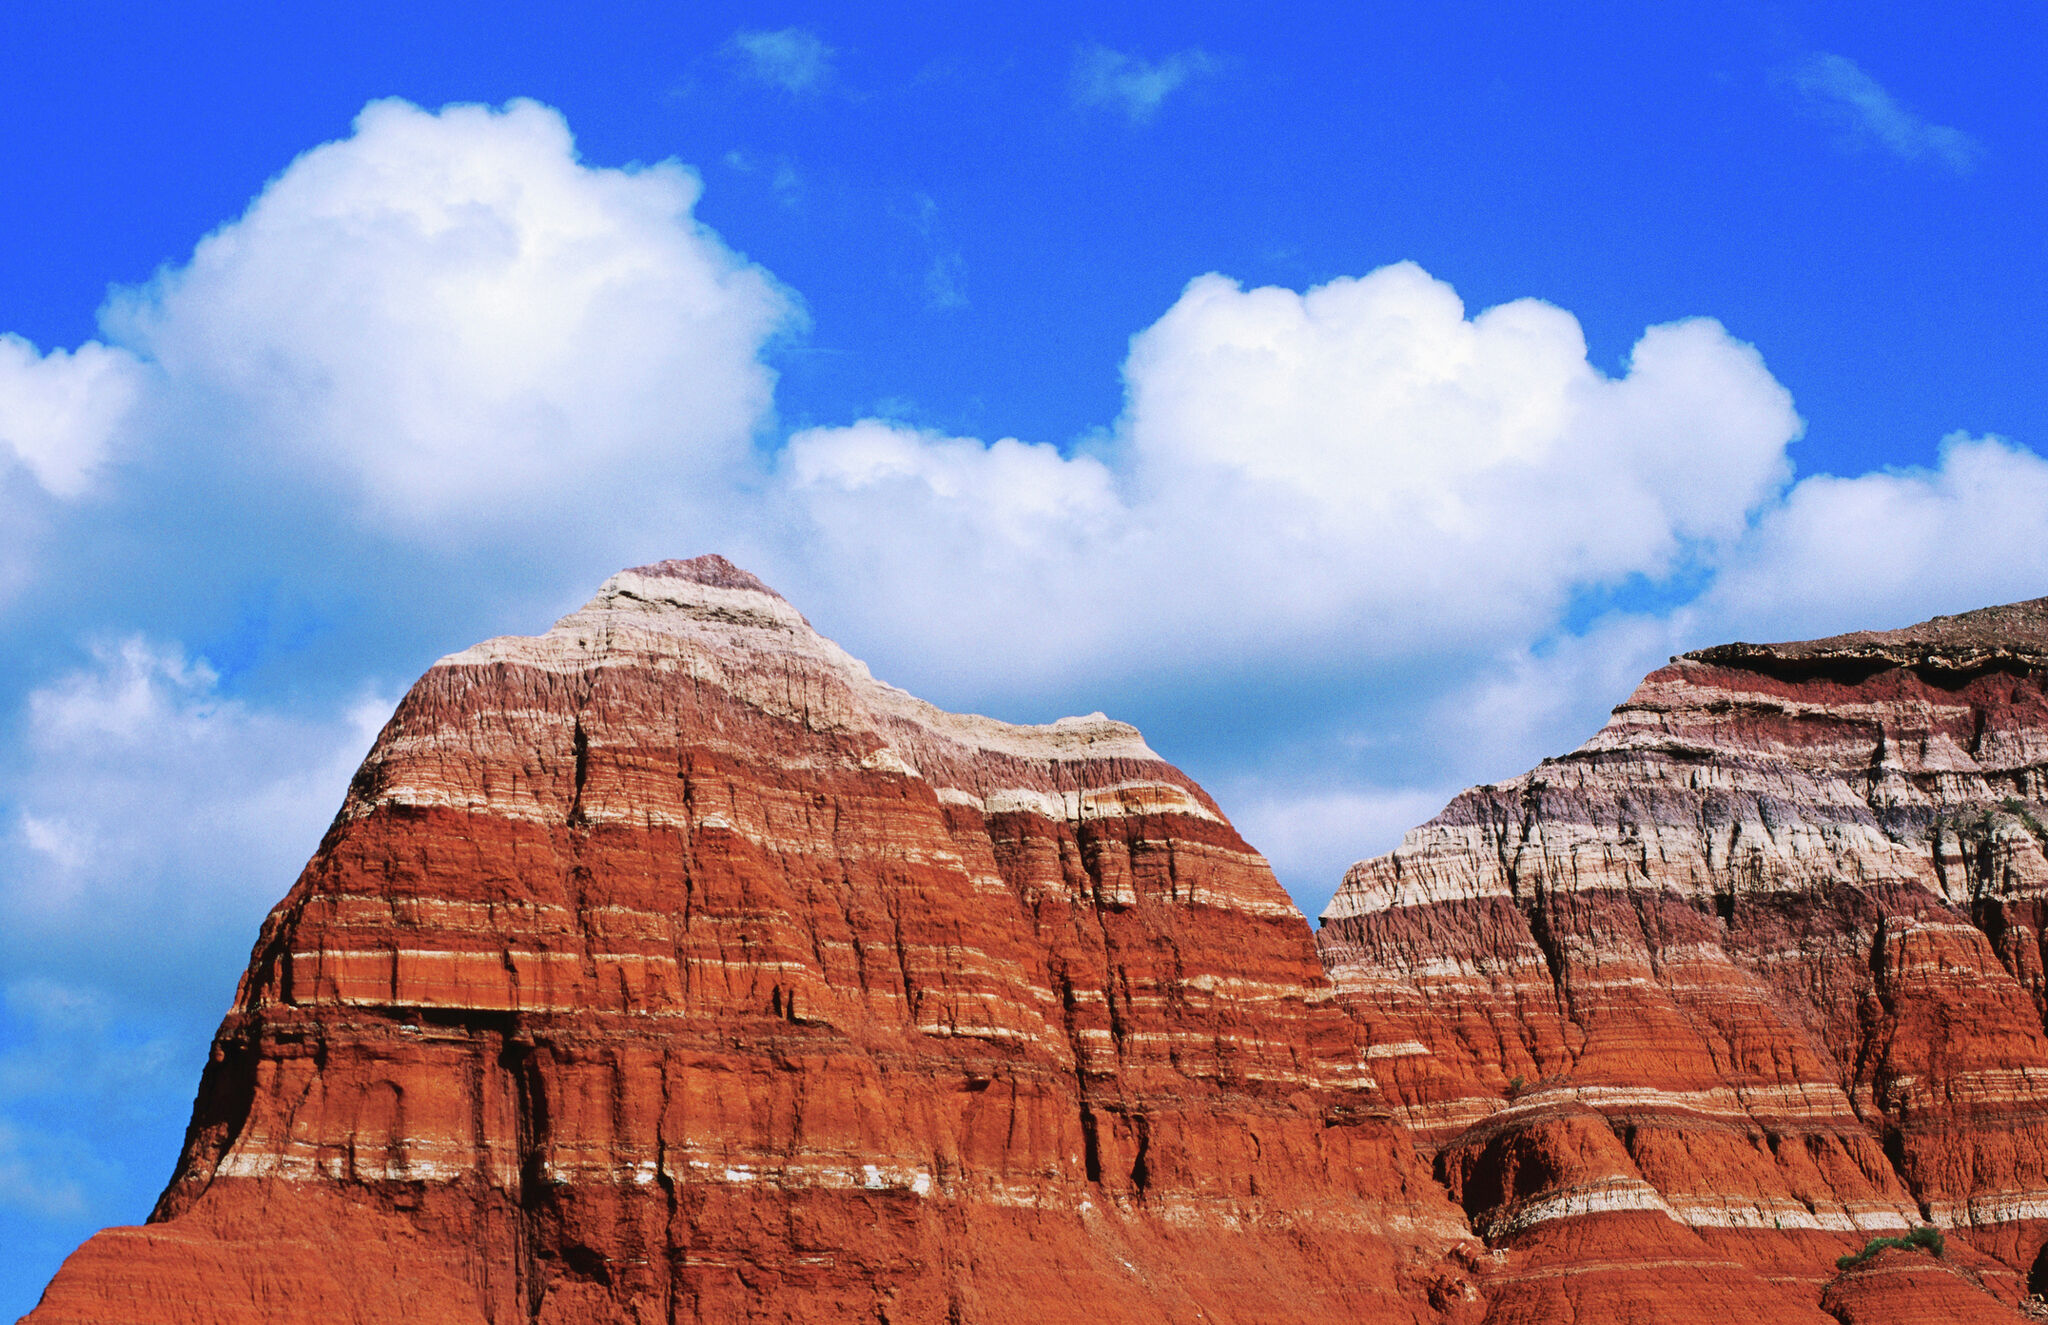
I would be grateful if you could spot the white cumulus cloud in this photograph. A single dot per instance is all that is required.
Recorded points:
(59, 411)
(1892, 547)
(1351, 474)
(454, 323)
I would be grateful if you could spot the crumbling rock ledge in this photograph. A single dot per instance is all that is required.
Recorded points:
(1945, 650)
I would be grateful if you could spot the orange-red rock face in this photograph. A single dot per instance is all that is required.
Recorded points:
(1752, 976)
(666, 967)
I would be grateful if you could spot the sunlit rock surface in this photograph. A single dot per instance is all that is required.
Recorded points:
(1752, 976)
(668, 967)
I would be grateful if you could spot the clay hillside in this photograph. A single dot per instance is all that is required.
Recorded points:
(667, 967)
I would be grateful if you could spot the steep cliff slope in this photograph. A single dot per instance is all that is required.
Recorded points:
(667, 967)
(1754, 974)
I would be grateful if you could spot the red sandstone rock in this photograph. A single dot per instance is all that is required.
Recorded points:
(1913, 1288)
(667, 967)
(1760, 963)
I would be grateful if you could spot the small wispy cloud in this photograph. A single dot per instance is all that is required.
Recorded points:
(794, 59)
(780, 172)
(945, 278)
(1838, 87)
(945, 281)
(1103, 77)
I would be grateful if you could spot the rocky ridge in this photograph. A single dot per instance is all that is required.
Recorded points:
(668, 967)
(1751, 976)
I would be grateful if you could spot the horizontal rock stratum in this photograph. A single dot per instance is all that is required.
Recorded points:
(1750, 977)
(668, 967)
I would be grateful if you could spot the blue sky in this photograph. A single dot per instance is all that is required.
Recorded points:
(1358, 401)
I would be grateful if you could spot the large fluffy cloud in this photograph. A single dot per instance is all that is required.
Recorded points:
(446, 322)
(447, 332)
(423, 352)
(1360, 472)
(1387, 423)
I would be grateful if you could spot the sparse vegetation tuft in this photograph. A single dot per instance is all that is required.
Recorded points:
(2018, 808)
(1924, 1238)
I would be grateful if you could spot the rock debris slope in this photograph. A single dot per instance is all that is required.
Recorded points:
(667, 967)
(1753, 975)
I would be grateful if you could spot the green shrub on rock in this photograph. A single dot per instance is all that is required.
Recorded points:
(1926, 1237)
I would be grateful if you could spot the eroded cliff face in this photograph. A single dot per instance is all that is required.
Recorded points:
(1753, 975)
(667, 967)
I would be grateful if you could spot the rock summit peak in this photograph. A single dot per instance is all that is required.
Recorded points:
(711, 570)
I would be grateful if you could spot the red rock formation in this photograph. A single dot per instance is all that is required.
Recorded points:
(667, 967)
(1753, 975)
(1911, 1288)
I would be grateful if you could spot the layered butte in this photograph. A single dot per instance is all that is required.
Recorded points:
(668, 967)
(1753, 975)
